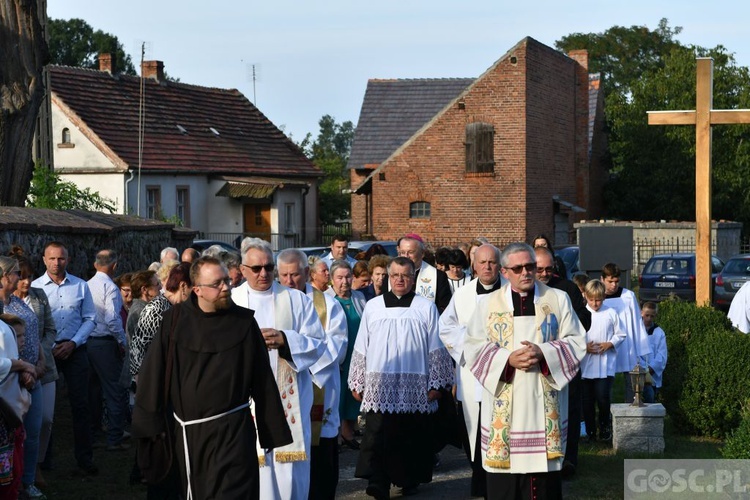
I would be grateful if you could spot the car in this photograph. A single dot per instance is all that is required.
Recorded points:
(201, 245)
(672, 275)
(362, 246)
(735, 274)
(570, 256)
(315, 251)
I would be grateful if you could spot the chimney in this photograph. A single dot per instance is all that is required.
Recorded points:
(153, 69)
(107, 62)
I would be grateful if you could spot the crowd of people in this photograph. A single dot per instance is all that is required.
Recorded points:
(254, 371)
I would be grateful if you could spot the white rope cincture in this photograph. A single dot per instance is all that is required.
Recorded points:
(184, 424)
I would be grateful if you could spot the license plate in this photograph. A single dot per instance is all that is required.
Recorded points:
(737, 284)
(664, 284)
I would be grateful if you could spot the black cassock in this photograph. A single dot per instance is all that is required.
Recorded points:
(220, 360)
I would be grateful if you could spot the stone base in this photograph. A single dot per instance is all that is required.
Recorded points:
(638, 429)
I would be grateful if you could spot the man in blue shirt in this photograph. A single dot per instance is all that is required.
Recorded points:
(106, 349)
(73, 313)
(339, 251)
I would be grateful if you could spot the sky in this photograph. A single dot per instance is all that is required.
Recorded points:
(314, 58)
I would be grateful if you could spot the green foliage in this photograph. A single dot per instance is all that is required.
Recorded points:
(653, 167)
(49, 191)
(74, 42)
(737, 444)
(330, 152)
(707, 376)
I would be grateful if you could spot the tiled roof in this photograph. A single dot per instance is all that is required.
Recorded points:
(187, 128)
(393, 110)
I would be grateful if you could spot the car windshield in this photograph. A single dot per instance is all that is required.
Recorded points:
(568, 255)
(668, 266)
(737, 266)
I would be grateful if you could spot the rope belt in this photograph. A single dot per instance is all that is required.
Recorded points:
(184, 425)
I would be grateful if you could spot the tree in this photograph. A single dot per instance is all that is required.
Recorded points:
(330, 152)
(75, 43)
(652, 169)
(23, 52)
(49, 191)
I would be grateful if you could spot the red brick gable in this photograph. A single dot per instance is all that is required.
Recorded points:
(188, 128)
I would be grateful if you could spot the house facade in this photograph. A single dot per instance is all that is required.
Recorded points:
(508, 155)
(167, 150)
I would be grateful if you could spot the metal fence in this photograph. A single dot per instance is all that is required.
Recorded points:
(645, 248)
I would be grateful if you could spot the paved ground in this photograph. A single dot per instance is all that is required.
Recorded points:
(450, 480)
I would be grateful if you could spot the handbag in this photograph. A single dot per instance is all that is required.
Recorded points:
(155, 454)
(14, 400)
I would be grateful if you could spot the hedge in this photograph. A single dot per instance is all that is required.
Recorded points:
(707, 380)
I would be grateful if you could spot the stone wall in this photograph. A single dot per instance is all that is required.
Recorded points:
(137, 241)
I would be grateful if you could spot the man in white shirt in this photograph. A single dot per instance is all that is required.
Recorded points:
(339, 251)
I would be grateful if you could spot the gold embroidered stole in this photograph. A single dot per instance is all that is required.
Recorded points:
(317, 412)
(286, 380)
(500, 324)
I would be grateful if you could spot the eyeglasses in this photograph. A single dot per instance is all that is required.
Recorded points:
(548, 270)
(402, 276)
(530, 267)
(219, 284)
(256, 269)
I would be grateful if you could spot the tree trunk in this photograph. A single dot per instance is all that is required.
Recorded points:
(23, 52)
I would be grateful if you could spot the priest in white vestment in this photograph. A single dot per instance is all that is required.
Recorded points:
(524, 344)
(453, 322)
(296, 341)
(294, 272)
(398, 366)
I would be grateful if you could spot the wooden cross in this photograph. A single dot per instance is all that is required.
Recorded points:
(703, 117)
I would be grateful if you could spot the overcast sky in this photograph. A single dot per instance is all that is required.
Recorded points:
(314, 58)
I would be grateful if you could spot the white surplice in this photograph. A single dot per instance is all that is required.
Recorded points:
(636, 338)
(307, 343)
(605, 327)
(739, 309)
(398, 357)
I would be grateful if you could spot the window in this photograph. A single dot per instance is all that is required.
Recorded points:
(480, 150)
(419, 210)
(153, 202)
(289, 225)
(258, 215)
(183, 205)
(66, 136)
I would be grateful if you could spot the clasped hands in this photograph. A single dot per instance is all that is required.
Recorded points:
(526, 357)
(598, 347)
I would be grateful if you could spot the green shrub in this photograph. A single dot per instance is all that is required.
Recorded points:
(708, 372)
(737, 444)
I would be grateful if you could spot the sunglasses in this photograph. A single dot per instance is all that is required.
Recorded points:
(256, 269)
(548, 270)
(530, 267)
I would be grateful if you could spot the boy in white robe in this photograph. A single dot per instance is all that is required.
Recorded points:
(657, 360)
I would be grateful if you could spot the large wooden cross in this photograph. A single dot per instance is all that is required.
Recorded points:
(703, 117)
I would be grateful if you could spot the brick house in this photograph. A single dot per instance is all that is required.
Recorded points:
(208, 157)
(510, 154)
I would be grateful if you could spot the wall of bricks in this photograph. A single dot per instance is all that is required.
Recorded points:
(138, 242)
(532, 97)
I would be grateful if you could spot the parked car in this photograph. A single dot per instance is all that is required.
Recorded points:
(362, 246)
(672, 275)
(735, 273)
(570, 256)
(201, 245)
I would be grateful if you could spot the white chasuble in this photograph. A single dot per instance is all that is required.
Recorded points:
(523, 424)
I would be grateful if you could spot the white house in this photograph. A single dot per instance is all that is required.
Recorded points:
(207, 156)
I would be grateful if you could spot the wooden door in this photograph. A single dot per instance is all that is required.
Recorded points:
(257, 220)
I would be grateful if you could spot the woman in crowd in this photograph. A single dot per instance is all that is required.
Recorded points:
(11, 439)
(37, 300)
(146, 287)
(457, 277)
(442, 255)
(378, 268)
(320, 276)
(353, 303)
(32, 354)
(542, 241)
(178, 287)
(361, 274)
